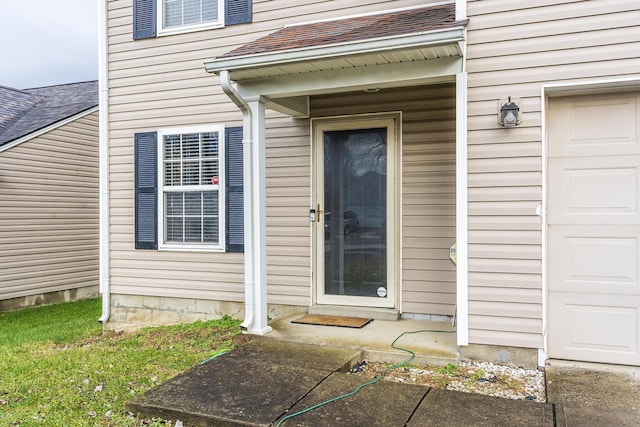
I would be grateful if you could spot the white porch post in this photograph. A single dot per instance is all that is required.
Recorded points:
(255, 207)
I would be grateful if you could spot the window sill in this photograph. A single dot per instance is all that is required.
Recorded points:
(185, 248)
(189, 29)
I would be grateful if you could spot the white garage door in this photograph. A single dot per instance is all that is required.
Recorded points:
(594, 228)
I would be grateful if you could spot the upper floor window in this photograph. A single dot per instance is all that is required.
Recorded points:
(190, 14)
(159, 17)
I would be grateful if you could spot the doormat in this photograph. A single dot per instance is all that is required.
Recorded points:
(323, 320)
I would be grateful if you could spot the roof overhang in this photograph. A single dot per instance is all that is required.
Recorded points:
(402, 48)
(288, 76)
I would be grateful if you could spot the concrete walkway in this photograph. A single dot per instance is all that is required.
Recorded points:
(296, 367)
(264, 380)
(588, 394)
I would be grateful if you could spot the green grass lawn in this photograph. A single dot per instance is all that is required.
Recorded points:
(57, 368)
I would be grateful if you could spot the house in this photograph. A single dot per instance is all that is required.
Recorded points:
(48, 194)
(243, 136)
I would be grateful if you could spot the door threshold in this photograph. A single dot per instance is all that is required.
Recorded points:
(356, 311)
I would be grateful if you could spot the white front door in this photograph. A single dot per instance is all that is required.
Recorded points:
(355, 197)
(594, 228)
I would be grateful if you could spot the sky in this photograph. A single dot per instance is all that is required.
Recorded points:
(48, 42)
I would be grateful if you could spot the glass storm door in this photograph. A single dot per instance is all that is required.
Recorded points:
(355, 196)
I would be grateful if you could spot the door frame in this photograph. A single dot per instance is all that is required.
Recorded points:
(393, 122)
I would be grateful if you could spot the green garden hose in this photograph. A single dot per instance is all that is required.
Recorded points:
(375, 380)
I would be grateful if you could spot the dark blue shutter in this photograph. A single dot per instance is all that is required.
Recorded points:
(146, 192)
(234, 190)
(144, 19)
(237, 12)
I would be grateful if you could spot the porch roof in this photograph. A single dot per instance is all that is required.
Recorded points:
(393, 37)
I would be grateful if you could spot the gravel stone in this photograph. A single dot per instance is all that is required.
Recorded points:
(472, 377)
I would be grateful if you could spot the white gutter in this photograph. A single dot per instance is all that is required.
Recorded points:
(103, 104)
(253, 321)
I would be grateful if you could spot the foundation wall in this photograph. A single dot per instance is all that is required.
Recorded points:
(132, 312)
(512, 356)
(46, 298)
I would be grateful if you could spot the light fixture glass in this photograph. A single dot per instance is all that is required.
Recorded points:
(508, 113)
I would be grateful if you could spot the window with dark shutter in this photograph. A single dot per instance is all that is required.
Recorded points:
(234, 190)
(146, 194)
(237, 12)
(144, 19)
(181, 15)
(188, 217)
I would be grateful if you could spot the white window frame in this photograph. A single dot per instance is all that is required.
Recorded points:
(162, 31)
(220, 247)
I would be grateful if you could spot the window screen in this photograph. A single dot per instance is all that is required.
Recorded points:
(191, 188)
(188, 12)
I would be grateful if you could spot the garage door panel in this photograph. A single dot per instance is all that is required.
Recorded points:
(593, 230)
(595, 190)
(595, 329)
(586, 126)
(595, 260)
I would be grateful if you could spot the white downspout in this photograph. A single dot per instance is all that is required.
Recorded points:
(462, 211)
(462, 240)
(103, 114)
(225, 83)
(253, 322)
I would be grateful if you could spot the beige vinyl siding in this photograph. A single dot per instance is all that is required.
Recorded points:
(49, 211)
(288, 202)
(161, 82)
(513, 49)
(428, 177)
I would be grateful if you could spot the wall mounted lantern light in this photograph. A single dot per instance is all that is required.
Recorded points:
(509, 113)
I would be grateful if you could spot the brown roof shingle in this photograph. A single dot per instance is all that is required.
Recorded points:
(352, 29)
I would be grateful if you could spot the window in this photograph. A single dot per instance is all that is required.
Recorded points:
(162, 17)
(190, 14)
(190, 187)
